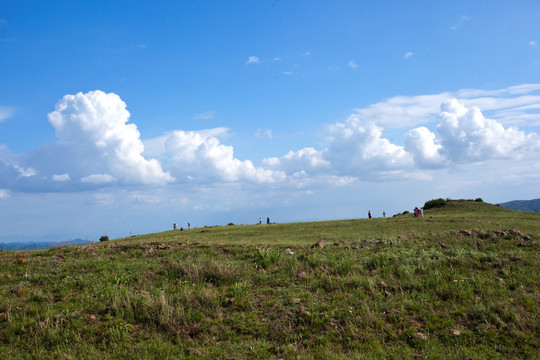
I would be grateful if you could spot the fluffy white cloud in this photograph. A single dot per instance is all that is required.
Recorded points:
(3, 194)
(97, 147)
(95, 124)
(466, 135)
(200, 157)
(420, 142)
(307, 160)
(360, 150)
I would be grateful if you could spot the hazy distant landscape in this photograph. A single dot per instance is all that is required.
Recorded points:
(462, 282)
(35, 245)
(523, 205)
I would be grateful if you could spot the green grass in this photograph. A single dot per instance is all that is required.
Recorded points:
(462, 282)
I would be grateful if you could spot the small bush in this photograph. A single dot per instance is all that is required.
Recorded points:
(104, 238)
(478, 200)
(434, 203)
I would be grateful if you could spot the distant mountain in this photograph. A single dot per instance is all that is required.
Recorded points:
(523, 205)
(35, 245)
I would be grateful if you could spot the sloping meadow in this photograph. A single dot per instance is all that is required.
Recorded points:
(462, 282)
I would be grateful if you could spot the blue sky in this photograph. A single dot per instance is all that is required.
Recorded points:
(122, 117)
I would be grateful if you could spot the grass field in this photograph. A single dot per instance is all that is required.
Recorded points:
(463, 282)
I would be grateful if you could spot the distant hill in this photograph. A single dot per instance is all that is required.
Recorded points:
(39, 245)
(523, 205)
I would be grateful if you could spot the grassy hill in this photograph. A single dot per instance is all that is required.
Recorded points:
(461, 283)
(523, 205)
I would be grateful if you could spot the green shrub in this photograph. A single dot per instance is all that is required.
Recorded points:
(478, 200)
(435, 203)
(104, 238)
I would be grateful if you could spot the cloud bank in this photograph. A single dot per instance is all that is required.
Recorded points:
(97, 147)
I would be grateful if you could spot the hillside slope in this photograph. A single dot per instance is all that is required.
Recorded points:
(462, 282)
(523, 205)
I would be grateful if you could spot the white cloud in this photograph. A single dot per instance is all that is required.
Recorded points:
(97, 147)
(467, 136)
(360, 150)
(352, 64)
(532, 44)
(6, 112)
(25, 172)
(512, 105)
(252, 60)
(462, 19)
(95, 125)
(205, 158)
(401, 111)
(408, 55)
(98, 179)
(3, 194)
(259, 133)
(61, 177)
(307, 160)
(420, 142)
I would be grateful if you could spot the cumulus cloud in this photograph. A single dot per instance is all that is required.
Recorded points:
(98, 147)
(420, 142)
(3, 194)
(252, 60)
(96, 125)
(307, 160)
(352, 64)
(359, 149)
(204, 158)
(532, 44)
(466, 135)
(408, 55)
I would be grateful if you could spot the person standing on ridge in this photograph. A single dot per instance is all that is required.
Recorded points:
(369, 214)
